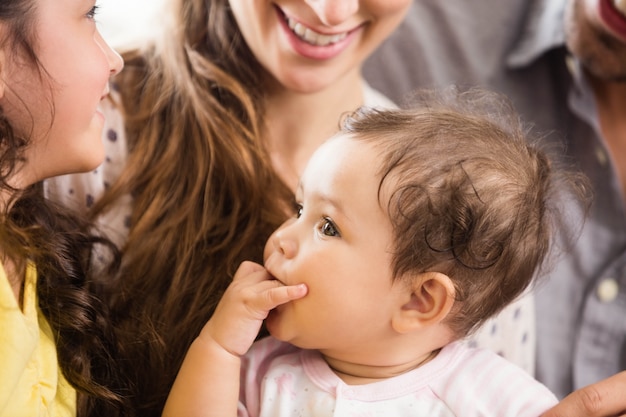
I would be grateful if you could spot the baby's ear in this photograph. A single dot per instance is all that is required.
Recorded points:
(430, 300)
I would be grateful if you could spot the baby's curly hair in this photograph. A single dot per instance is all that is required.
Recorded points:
(471, 195)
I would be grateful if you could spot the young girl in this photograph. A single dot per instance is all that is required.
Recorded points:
(395, 254)
(55, 339)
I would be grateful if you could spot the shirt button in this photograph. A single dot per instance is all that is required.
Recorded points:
(607, 290)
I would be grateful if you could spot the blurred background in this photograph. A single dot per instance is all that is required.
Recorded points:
(128, 21)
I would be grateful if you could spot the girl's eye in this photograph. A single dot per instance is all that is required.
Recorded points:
(298, 209)
(328, 228)
(91, 14)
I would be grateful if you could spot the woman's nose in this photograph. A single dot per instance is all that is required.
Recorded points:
(333, 12)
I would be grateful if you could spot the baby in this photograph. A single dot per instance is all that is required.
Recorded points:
(411, 228)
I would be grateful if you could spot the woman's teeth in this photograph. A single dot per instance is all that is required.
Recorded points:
(620, 5)
(313, 37)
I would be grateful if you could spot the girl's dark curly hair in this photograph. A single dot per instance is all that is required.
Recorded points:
(60, 245)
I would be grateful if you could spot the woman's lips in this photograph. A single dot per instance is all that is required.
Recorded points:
(312, 37)
(312, 44)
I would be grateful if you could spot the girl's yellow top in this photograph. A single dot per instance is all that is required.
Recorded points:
(31, 382)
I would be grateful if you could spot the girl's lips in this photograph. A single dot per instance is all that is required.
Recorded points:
(98, 114)
(105, 93)
(312, 44)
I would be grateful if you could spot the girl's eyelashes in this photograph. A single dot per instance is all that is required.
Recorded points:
(297, 208)
(91, 14)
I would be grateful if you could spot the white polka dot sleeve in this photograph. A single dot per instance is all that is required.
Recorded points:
(511, 334)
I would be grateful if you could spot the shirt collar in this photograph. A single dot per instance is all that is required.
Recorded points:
(542, 31)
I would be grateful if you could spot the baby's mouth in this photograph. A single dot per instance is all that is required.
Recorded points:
(272, 276)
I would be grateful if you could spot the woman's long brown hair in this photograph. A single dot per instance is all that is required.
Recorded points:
(205, 195)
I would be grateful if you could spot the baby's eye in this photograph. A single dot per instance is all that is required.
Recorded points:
(328, 228)
(298, 209)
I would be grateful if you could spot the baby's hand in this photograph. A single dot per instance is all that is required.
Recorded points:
(245, 304)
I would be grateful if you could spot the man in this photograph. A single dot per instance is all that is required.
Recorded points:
(563, 64)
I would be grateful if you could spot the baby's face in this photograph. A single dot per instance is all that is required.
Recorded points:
(340, 244)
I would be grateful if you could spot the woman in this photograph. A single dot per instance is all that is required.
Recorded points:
(56, 339)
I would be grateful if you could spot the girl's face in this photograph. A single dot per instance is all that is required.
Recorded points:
(340, 245)
(596, 33)
(308, 45)
(57, 112)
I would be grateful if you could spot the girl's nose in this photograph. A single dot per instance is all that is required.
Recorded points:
(333, 12)
(115, 60)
